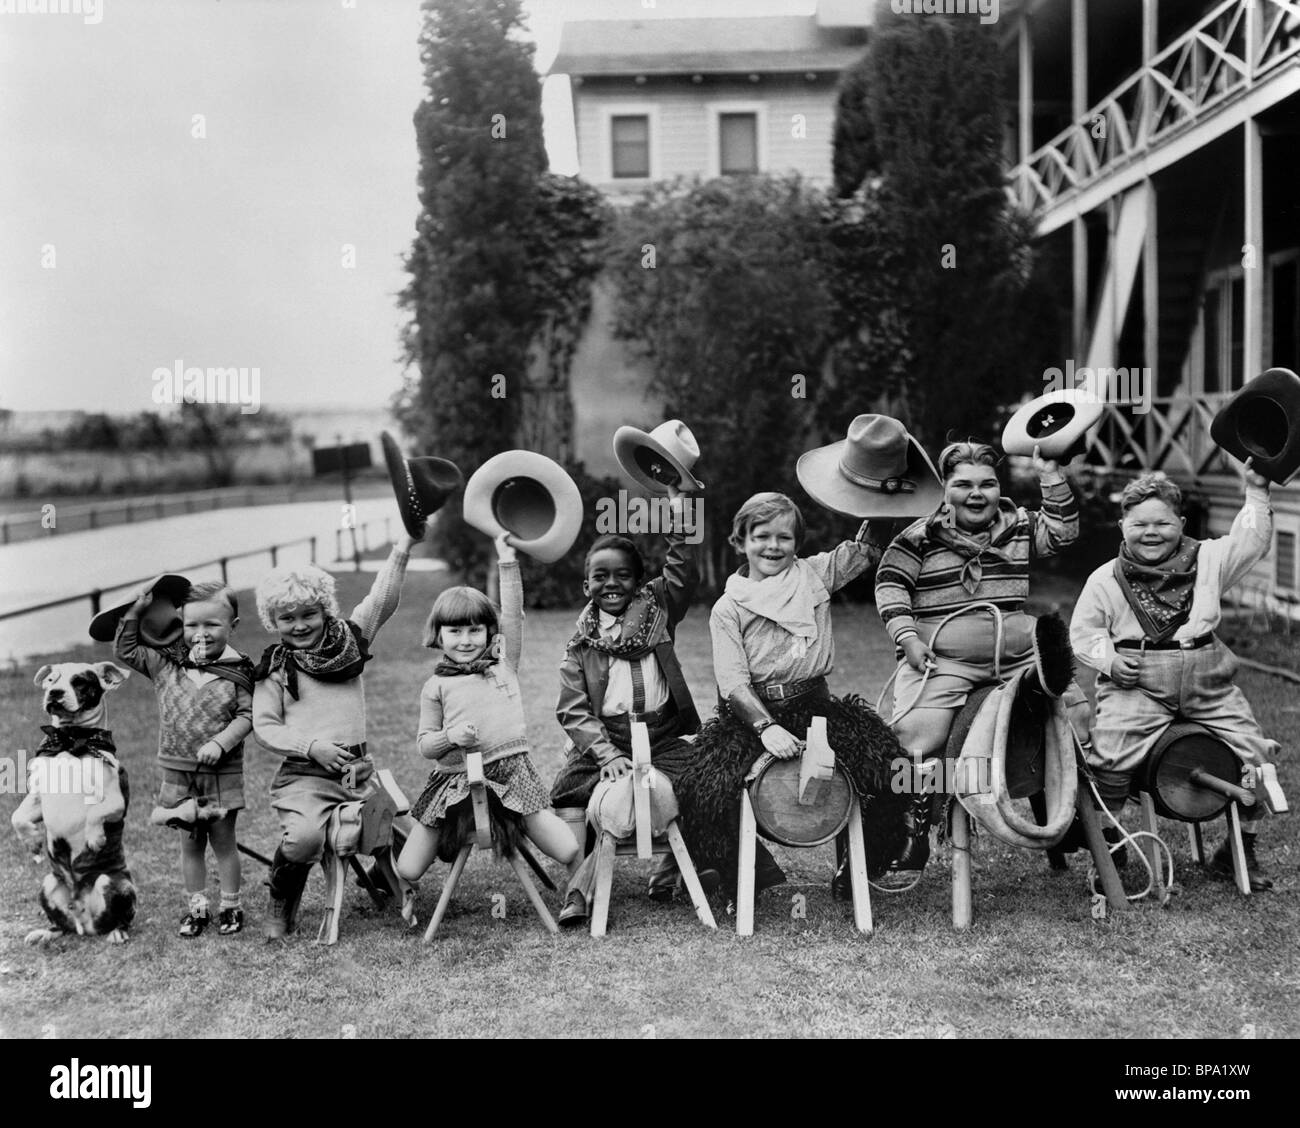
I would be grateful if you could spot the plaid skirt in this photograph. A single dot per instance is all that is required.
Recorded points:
(513, 780)
(209, 787)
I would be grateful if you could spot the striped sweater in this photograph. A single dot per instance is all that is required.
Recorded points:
(920, 576)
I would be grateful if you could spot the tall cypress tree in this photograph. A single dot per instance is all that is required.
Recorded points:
(933, 262)
(473, 305)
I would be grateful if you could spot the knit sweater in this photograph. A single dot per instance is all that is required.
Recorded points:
(190, 715)
(490, 701)
(325, 712)
(1102, 616)
(920, 577)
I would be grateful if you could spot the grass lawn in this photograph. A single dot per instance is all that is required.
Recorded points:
(1034, 964)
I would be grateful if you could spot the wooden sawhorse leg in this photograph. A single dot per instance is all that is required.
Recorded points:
(689, 876)
(1116, 898)
(606, 847)
(745, 868)
(333, 867)
(1238, 851)
(1150, 847)
(449, 887)
(858, 870)
(520, 867)
(961, 887)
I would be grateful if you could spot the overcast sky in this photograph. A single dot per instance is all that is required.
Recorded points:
(225, 250)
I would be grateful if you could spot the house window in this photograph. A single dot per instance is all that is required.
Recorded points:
(630, 146)
(1284, 574)
(737, 144)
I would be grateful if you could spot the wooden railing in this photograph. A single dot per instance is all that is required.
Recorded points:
(1173, 436)
(1232, 46)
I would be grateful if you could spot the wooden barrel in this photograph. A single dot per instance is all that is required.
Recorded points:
(774, 794)
(1166, 775)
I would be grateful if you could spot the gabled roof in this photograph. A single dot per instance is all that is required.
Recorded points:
(738, 45)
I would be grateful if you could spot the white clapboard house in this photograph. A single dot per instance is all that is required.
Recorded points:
(659, 98)
(1158, 143)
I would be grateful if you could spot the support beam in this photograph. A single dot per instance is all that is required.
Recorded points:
(1078, 58)
(1253, 252)
(1151, 307)
(1150, 36)
(1026, 120)
(1079, 308)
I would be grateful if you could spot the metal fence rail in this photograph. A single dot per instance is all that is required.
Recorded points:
(96, 594)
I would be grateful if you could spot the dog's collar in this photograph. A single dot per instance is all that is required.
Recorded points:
(80, 740)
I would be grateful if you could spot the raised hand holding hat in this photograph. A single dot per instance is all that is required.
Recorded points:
(421, 485)
(656, 458)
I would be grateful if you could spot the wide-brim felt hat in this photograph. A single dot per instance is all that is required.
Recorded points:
(1262, 423)
(529, 496)
(422, 485)
(877, 471)
(160, 623)
(1056, 423)
(655, 458)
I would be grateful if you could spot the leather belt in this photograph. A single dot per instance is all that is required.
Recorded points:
(1173, 644)
(649, 717)
(787, 690)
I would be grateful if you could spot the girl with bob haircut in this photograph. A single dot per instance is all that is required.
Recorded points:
(1146, 623)
(772, 652)
(472, 703)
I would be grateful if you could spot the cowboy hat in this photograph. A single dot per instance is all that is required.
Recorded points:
(160, 622)
(1055, 423)
(879, 470)
(529, 496)
(1262, 423)
(663, 455)
(422, 485)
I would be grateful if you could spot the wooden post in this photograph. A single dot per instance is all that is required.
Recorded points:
(274, 555)
(642, 781)
(1150, 36)
(1026, 105)
(1151, 310)
(313, 550)
(1252, 353)
(745, 869)
(95, 597)
(225, 569)
(1196, 843)
(457, 868)
(479, 800)
(961, 890)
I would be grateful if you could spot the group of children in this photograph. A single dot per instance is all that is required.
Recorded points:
(1144, 622)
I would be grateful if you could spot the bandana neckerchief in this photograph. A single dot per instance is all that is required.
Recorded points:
(974, 547)
(80, 740)
(1159, 594)
(448, 668)
(790, 599)
(641, 619)
(339, 656)
(237, 669)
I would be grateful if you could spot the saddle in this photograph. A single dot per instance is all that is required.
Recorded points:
(1012, 741)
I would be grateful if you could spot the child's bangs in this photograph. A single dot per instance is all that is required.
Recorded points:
(460, 607)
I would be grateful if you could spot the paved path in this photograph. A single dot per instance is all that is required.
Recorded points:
(116, 559)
